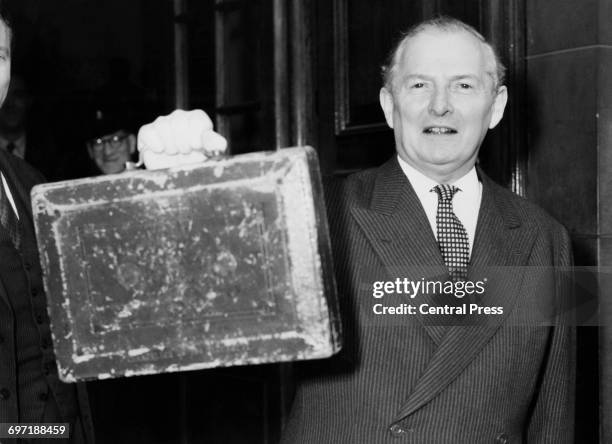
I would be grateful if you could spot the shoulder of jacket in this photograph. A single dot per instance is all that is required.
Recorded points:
(527, 211)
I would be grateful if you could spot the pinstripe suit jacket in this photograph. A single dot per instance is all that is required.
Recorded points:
(399, 379)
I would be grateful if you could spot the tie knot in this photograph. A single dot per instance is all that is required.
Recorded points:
(445, 191)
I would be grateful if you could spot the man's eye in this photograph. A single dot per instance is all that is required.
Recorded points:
(464, 85)
(418, 85)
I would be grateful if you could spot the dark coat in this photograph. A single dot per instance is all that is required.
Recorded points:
(399, 378)
(21, 177)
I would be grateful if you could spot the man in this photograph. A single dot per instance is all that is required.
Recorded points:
(106, 144)
(107, 136)
(118, 108)
(30, 390)
(408, 380)
(112, 144)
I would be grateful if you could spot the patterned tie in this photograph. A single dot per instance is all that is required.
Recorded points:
(452, 237)
(8, 218)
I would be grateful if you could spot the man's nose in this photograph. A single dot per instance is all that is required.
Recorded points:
(440, 103)
(108, 148)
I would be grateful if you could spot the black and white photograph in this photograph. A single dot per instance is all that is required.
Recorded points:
(305, 221)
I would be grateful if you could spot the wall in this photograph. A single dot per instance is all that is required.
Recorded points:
(569, 72)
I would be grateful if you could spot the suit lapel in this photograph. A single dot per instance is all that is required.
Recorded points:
(398, 230)
(502, 244)
(19, 190)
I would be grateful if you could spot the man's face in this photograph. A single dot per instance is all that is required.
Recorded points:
(5, 60)
(111, 152)
(443, 102)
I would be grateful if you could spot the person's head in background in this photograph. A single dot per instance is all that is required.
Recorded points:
(112, 140)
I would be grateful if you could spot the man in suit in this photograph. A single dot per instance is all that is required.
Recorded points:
(499, 380)
(30, 390)
(452, 378)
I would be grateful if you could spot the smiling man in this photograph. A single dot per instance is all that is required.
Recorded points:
(442, 93)
(111, 149)
(405, 379)
(429, 206)
(111, 128)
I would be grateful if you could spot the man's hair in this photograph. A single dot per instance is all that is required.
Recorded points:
(446, 24)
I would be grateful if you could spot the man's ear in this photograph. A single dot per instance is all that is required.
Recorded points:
(132, 143)
(386, 103)
(499, 105)
(90, 151)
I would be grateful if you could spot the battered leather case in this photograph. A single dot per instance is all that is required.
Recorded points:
(223, 263)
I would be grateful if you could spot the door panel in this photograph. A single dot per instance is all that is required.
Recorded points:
(353, 41)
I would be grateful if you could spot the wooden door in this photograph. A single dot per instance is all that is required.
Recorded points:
(353, 38)
(275, 73)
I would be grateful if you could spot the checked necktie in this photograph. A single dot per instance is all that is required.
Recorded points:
(8, 218)
(452, 237)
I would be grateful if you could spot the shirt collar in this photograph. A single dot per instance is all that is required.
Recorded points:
(422, 184)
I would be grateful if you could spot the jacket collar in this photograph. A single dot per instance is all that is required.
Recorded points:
(397, 228)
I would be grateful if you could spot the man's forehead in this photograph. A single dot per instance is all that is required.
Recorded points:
(454, 51)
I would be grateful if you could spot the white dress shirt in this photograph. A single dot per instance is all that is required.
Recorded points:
(7, 190)
(466, 202)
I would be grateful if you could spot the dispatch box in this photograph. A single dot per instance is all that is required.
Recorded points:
(222, 263)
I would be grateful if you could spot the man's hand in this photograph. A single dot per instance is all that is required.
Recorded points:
(180, 138)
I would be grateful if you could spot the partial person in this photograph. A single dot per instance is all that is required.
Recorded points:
(112, 141)
(106, 142)
(30, 389)
(430, 205)
(117, 109)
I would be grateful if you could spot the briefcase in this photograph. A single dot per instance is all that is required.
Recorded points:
(222, 263)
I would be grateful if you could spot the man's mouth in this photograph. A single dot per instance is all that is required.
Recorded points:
(437, 130)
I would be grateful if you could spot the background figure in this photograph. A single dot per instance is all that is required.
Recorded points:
(106, 125)
(113, 142)
(119, 108)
